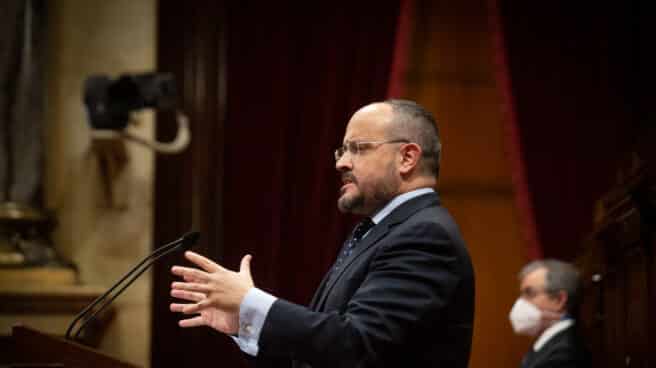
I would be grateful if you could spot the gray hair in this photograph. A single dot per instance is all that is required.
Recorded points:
(414, 122)
(560, 276)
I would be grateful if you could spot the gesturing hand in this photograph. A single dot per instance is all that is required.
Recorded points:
(215, 293)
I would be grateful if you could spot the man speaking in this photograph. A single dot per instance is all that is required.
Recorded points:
(401, 292)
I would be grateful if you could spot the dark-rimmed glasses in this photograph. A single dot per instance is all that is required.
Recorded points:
(356, 147)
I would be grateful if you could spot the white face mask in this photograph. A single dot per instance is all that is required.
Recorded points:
(526, 318)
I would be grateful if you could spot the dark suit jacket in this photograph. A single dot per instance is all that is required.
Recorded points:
(404, 298)
(563, 350)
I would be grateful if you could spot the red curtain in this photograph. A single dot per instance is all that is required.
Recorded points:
(512, 138)
(396, 86)
(565, 72)
(295, 77)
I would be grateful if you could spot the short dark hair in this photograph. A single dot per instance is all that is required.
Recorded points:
(561, 276)
(414, 122)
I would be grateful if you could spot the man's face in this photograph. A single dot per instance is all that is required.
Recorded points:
(369, 178)
(532, 289)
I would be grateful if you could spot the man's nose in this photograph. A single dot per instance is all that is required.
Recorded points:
(343, 163)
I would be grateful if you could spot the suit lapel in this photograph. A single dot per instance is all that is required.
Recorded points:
(317, 294)
(381, 229)
(538, 356)
(528, 359)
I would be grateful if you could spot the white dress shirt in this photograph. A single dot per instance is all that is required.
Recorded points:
(551, 332)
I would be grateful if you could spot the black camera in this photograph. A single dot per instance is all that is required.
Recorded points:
(110, 102)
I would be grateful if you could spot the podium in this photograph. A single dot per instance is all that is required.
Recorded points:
(34, 349)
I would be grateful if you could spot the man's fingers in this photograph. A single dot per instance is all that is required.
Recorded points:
(187, 272)
(187, 295)
(176, 307)
(187, 308)
(195, 308)
(245, 267)
(192, 322)
(189, 278)
(191, 286)
(191, 309)
(204, 263)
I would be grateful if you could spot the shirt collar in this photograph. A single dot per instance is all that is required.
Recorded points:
(397, 201)
(551, 332)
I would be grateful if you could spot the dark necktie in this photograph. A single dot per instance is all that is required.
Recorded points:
(350, 244)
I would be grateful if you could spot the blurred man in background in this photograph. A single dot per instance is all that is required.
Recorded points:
(547, 309)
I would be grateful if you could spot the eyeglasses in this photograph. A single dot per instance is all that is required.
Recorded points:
(356, 147)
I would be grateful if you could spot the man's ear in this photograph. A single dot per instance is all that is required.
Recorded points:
(410, 156)
(561, 299)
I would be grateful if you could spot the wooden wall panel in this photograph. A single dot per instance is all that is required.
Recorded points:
(451, 39)
(618, 269)
(471, 127)
(488, 222)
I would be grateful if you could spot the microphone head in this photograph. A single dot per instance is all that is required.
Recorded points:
(190, 239)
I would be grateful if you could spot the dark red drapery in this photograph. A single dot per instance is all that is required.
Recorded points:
(396, 86)
(295, 77)
(566, 74)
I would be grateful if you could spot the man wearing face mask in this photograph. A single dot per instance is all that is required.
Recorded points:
(547, 309)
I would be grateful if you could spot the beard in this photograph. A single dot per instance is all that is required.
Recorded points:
(350, 204)
(369, 198)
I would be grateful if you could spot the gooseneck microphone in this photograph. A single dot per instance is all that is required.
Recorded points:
(88, 313)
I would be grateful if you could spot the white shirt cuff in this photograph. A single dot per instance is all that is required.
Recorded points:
(252, 314)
